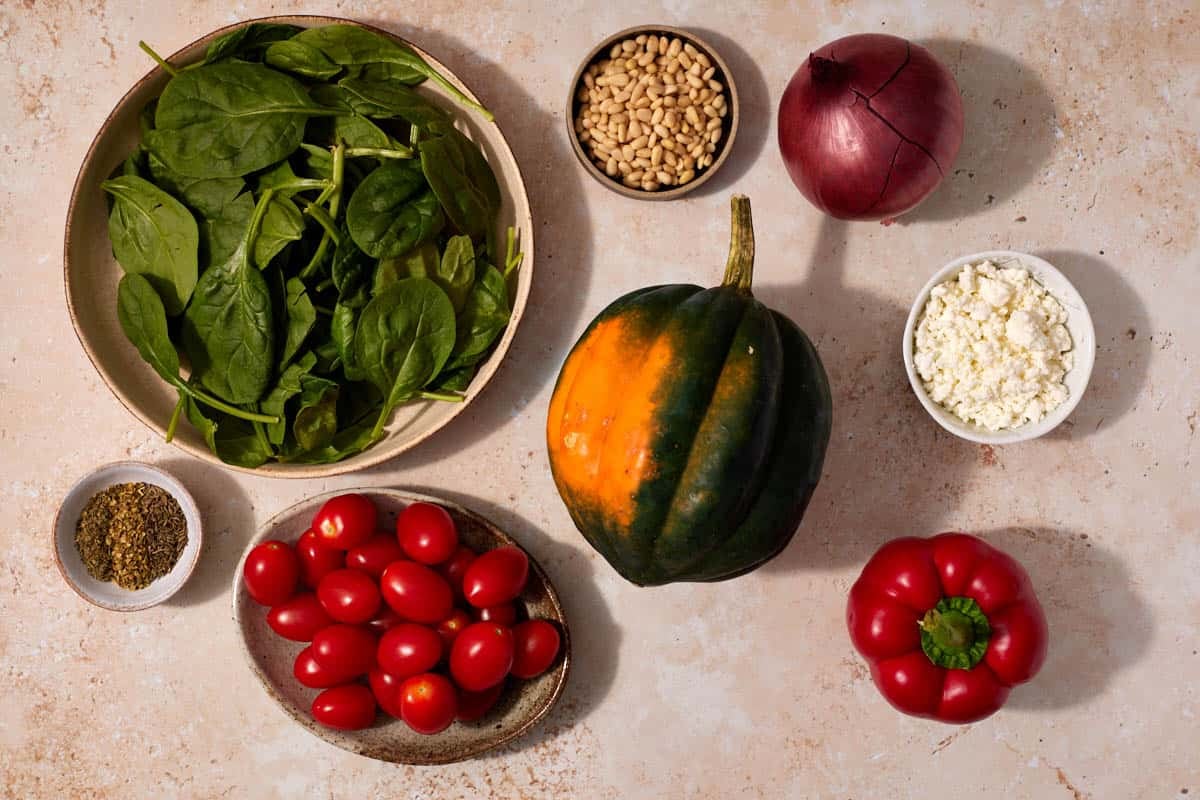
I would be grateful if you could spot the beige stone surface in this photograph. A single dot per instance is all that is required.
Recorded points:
(1083, 145)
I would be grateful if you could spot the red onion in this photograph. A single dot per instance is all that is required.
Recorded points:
(869, 125)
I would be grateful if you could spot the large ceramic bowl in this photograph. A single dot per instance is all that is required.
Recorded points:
(91, 273)
(519, 708)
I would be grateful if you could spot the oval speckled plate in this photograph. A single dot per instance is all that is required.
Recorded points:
(271, 656)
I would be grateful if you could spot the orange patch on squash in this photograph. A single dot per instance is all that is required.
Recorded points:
(601, 425)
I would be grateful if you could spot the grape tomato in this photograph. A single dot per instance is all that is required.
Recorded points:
(299, 618)
(373, 555)
(481, 656)
(427, 533)
(496, 577)
(416, 592)
(271, 573)
(349, 595)
(313, 674)
(345, 521)
(316, 560)
(347, 708)
(346, 649)
(409, 649)
(535, 646)
(428, 703)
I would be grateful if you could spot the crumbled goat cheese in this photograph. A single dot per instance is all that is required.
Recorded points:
(992, 348)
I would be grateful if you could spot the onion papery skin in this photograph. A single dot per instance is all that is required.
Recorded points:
(869, 125)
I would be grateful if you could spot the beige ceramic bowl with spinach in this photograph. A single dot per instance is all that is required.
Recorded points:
(291, 255)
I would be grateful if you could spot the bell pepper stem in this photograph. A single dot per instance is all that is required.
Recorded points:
(955, 633)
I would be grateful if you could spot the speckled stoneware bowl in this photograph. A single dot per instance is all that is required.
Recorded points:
(1079, 325)
(105, 593)
(91, 273)
(519, 708)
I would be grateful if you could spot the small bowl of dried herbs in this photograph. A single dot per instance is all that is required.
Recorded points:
(127, 536)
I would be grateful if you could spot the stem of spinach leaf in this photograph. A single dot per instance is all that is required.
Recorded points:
(443, 396)
(328, 312)
(162, 62)
(323, 219)
(398, 151)
(175, 415)
(332, 194)
(221, 405)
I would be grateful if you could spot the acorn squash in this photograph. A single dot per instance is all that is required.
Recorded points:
(688, 427)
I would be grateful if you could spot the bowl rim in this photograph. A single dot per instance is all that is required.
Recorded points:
(1084, 358)
(372, 456)
(734, 114)
(263, 534)
(181, 495)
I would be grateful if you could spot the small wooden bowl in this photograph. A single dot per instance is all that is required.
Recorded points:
(91, 273)
(724, 147)
(523, 703)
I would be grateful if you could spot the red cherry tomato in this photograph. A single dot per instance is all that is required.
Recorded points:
(386, 688)
(535, 644)
(345, 521)
(271, 573)
(427, 533)
(316, 560)
(473, 705)
(408, 650)
(349, 595)
(454, 569)
(346, 649)
(313, 674)
(452, 626)
(496, 577)
(504, 614)
(428, 703)
(347, 708)
(384, 620)
(373, 555)
(298, 618)
(481, 656)
(416, 592)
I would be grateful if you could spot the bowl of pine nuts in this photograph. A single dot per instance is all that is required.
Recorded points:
(653, 112)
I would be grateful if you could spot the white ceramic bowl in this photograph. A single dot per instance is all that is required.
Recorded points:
(1079, 325)
(103, 593)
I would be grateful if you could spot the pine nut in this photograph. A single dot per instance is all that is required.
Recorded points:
(708, 73)
(685, 60)
(657, 116)
(691, 115)
(674, 48)
(615, 51)
(628, 46)
(663, 177)
(653, 140)
(634, 130)
(715, 136)
(639, 142)
(656, 156)
(644, 163)
(713, 124)
(686, 176)
(703, 59)
(624, 167)
(644, 152)
(611, 167)
(716, 86)
(636, 175)
(661, 131)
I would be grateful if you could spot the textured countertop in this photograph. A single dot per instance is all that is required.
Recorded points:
(1082, 145)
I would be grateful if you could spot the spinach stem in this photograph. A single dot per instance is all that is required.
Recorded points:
(162, 62)
(399, 151)
(174, 423)
(444, 396)
(323, 285)
(323, 310)
(303, 184)
(437, 78)
(221, 405)
(317, 257)
(323, 219)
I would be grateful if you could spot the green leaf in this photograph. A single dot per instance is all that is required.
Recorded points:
(387, 217)
(282, 223)
(228, 330)
(456, 272)
(154, 235)
(287, 387)
(351, 272)
(482, 320)
(301, 59)
(388, 100)
(457, 380)
(462, 180)
(301, 316)
(346, 442)
(247, 40)
(390, 73)
(342, 327)
(404, 336)
(225, 120)
(358, 131)
(316, 418)
(420, 262)
(144, 320)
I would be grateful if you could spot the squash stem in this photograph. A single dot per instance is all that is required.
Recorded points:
(739, 269)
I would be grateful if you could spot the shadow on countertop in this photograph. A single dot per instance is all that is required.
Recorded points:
(889, 470)
(1008, 128)
(1099, 625)
(595, 635)
(563, 239)
(1123, 342)
(228, 518)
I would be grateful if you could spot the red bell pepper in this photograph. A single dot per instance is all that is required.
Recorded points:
(948, 626)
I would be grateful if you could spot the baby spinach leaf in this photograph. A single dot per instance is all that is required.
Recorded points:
(351, 273)
(385, 72)
(382, 216)
(286, 387)
(225, 120)
(404, 336)
(247, 40)
(316, 419)
(135, 164)
(420, 262)
(386, 100)
(301, 317)
(235, 441)
(457, 380)
(282, 223)
(228, 331)
(350, 44)
(342, 327)
(456, 272)
(154, 235)
(301, 59)
(482, 320)
(462, 180)
(358, 131)
(346, 442)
